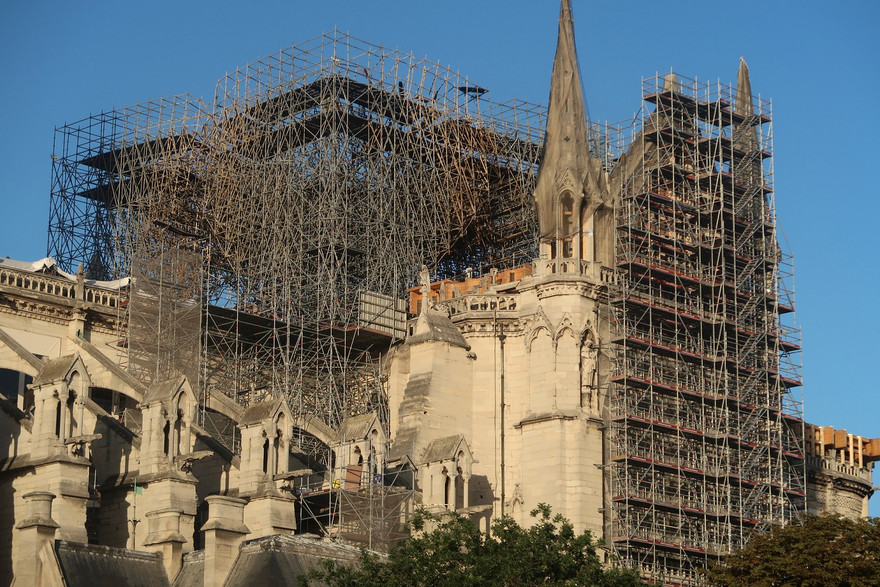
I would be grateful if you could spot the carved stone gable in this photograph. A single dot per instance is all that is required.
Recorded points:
(566, 182)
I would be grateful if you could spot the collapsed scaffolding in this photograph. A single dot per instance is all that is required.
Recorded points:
(706, 434)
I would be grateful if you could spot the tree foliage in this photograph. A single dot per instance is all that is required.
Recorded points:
(824, 550)
(450, 550)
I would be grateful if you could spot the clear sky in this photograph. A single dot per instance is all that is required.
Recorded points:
(62, 61)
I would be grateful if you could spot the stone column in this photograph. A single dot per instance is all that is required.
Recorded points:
(438, 489)
(465, 490)
(35, 531)
(173, 439)
(224, 532)
(272, 464)
(186, 436)
(450, 491)
(62, 424)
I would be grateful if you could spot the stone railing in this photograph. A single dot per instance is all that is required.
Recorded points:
(562, 267)
(102, 297)
(832, 465)
(576, 267)
(608, 275)
(481, 303)
(57, 287)
(38, 283)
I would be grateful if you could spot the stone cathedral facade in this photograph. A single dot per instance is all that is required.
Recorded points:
(581, 380)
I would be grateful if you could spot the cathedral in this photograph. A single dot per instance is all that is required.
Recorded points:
(634, 365)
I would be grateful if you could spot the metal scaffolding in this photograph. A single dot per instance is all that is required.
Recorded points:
(294, 210)
(364, 507)
(706, 433)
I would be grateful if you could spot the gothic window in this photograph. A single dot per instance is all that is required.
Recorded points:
(178, 433)
(585, 235)
(567, 225)
(73, 390)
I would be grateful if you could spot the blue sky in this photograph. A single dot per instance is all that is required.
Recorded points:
(62, 61)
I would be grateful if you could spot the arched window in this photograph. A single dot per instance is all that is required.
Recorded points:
(587, 242)
(178, 432)
(567, 224)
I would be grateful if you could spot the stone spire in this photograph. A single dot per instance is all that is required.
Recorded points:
(749, 169)
(745, 134)
(567, 166)
(743, 103)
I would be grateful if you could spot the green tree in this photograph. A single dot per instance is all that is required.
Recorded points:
(450, 550)
(816, 551)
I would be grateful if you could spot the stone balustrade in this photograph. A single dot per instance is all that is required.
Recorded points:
(481, 303)
(58, 287)
(576, 267)
(832, 465)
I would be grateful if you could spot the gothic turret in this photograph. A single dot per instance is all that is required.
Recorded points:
(745, 135)
(571, 184)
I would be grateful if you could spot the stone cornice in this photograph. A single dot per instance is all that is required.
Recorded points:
(556, 285)
(56, 310)
(486, 327)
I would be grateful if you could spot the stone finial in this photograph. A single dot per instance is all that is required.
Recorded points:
(80, 288)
